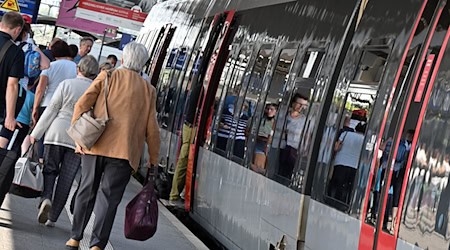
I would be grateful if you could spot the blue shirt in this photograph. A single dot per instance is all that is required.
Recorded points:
(24, 116)
(77, 59)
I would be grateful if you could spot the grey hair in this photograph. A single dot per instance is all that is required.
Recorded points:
(88, 66)
(134, 56)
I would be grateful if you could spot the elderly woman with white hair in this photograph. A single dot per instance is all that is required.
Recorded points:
(108, 165)
(60, 160)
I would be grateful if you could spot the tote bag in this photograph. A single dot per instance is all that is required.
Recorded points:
(141, 215)
(28, 179)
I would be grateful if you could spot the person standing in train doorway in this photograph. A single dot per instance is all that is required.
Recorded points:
(179, 178)
(292, 135)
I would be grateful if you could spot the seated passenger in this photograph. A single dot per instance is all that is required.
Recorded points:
(265, 133)
(348, 150)
(292, 133)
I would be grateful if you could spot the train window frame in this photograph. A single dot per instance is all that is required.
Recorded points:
(233, 77)
(296, 82)
(259, 111)
(364, 86)
(245, 83)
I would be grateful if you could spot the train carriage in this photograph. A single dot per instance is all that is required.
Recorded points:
(328, 68)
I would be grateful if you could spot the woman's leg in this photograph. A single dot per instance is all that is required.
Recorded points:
(117, 173)
(53, 157)
(68, 171)
(92, 170)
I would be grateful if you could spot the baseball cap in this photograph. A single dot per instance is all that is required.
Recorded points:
(26, 18)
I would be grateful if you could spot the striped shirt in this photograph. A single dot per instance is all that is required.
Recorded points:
(233, 127)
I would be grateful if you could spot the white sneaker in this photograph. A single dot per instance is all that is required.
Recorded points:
(50, 223)
(45, 208)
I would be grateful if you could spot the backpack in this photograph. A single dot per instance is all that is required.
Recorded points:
(32, 62)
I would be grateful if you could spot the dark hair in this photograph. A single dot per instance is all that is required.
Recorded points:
(60, 49)
(411, 131)
(112, 57)
(361, 128)
(298, 96)
(73, 50)
(12, 20)
(25, 29)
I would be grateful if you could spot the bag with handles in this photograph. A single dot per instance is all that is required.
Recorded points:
(141, 215)
(28, 179)
(87, 129)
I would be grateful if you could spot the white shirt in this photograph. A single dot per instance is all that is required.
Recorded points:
(59, 71)
(350, 151)
(294, 128)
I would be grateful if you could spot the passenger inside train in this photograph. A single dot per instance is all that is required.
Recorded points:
(264, 138)
(347, 152)
(292, 135)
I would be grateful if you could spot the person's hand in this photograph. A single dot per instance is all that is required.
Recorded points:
(35, 117)
(10, 123)
(18, 124)
(80, 149)
(32, 140)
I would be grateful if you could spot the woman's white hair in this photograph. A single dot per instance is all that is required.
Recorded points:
(134, 56)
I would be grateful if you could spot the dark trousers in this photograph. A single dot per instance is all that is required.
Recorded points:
(7, 160)
(22, 133)
(108, 176)
(342, 183)
(288, 157)
(62, 163)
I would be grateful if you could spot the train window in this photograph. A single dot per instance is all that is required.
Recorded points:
(225, 124)
(263, 127)
(230, 82)
(245, 108)
(343, 173)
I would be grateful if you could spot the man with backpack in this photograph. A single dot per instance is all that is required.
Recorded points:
(35, 61)
(11, 70)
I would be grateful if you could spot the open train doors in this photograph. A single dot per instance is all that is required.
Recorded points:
(405, 110)
(213, 59)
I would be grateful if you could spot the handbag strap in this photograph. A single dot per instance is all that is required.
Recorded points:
(5, 49)
(108, 73)
(29, 152)
(149, 174)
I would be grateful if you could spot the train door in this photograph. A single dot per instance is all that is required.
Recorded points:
(213, 60)
(385, 191)
(159, 52)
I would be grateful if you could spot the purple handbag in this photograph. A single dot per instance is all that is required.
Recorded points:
(141, 215)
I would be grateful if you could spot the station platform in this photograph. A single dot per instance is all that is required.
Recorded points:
(20, 230)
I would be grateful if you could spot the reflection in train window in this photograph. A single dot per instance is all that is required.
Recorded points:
(371, 66)
(263, 126)
(425, 215)
(243, 109)
(230, 84)
(311, 63)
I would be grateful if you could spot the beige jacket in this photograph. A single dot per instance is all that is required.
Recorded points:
(132, 110)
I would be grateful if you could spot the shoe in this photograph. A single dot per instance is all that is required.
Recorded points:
(72, 244)
(176, 203)
(45, 208)
(50, 223)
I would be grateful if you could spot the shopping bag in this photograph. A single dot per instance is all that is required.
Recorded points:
(28, 179)
(141, 215)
